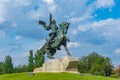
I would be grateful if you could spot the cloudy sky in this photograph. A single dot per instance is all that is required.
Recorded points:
(95, 26)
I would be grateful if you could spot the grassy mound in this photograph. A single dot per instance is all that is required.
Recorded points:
(52, 76)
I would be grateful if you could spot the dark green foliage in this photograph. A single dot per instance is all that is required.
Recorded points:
(95, 64)
(30, 61)
(108, 66)
(117, 71)
(1, 67)
(20, 68)
(83, 65)
(97, 69)
(39, 59)
(8, 66)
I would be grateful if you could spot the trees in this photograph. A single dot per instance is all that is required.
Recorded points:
(117, 71)
(8, 66)
(95, 64)
(20, 68)
(39, 59)
(108, 66)
(35, 62)
(30, 61)
(83, 66)
(1, 67)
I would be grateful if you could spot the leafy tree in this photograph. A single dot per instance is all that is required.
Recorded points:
(95, 64)
(39, 59)
(24, 68)
(87, 62)
(30, 61)
(108, 66)
(17, 69)
(1, 67)
(8, 66)
(83, 65)
(117, 71)
(97, 69)
(21, 68)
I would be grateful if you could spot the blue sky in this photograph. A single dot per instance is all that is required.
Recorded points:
(95, 26)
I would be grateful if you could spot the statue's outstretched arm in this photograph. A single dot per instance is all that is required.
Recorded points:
(50, 18)
(43, 23)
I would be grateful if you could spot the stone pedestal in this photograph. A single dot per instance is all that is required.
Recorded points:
(67, 63)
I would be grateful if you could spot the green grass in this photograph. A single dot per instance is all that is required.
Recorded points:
(52, 76)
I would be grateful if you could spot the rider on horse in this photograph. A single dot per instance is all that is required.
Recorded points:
(52, 25)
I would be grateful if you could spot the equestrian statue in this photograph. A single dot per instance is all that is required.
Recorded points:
(57, 37)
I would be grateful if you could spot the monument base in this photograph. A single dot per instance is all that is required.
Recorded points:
(67, 63)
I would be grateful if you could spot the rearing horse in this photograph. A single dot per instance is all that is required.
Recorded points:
(59, 40)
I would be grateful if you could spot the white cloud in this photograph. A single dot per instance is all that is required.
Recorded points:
(10, 8)
(2, 19)
(2, 11)
(20, 58)
(73, 44)
(71, 14)
(18, 37)
(49, 1)
(44, 8)
(20, 55)
(2, 34)
(102, 23)
(110, 28)
(74, 32)
(105, 3)
(3, 53)
(87, 14)
(107, 22)
(22, 2)
(52, 6)
(80, 19)
(117, 51)
(14, 24)
(37, 14)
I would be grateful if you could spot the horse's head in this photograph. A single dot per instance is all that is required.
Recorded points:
(64, 27)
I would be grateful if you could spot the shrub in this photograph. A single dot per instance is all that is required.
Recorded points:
(95, 64)
(117, 71)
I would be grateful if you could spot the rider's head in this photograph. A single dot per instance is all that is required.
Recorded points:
(53, 21)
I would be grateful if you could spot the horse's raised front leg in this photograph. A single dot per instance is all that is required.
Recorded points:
(66, 49)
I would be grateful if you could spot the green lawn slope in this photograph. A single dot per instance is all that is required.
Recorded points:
(52, 76)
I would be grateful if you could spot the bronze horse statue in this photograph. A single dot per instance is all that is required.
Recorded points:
(59, 40)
